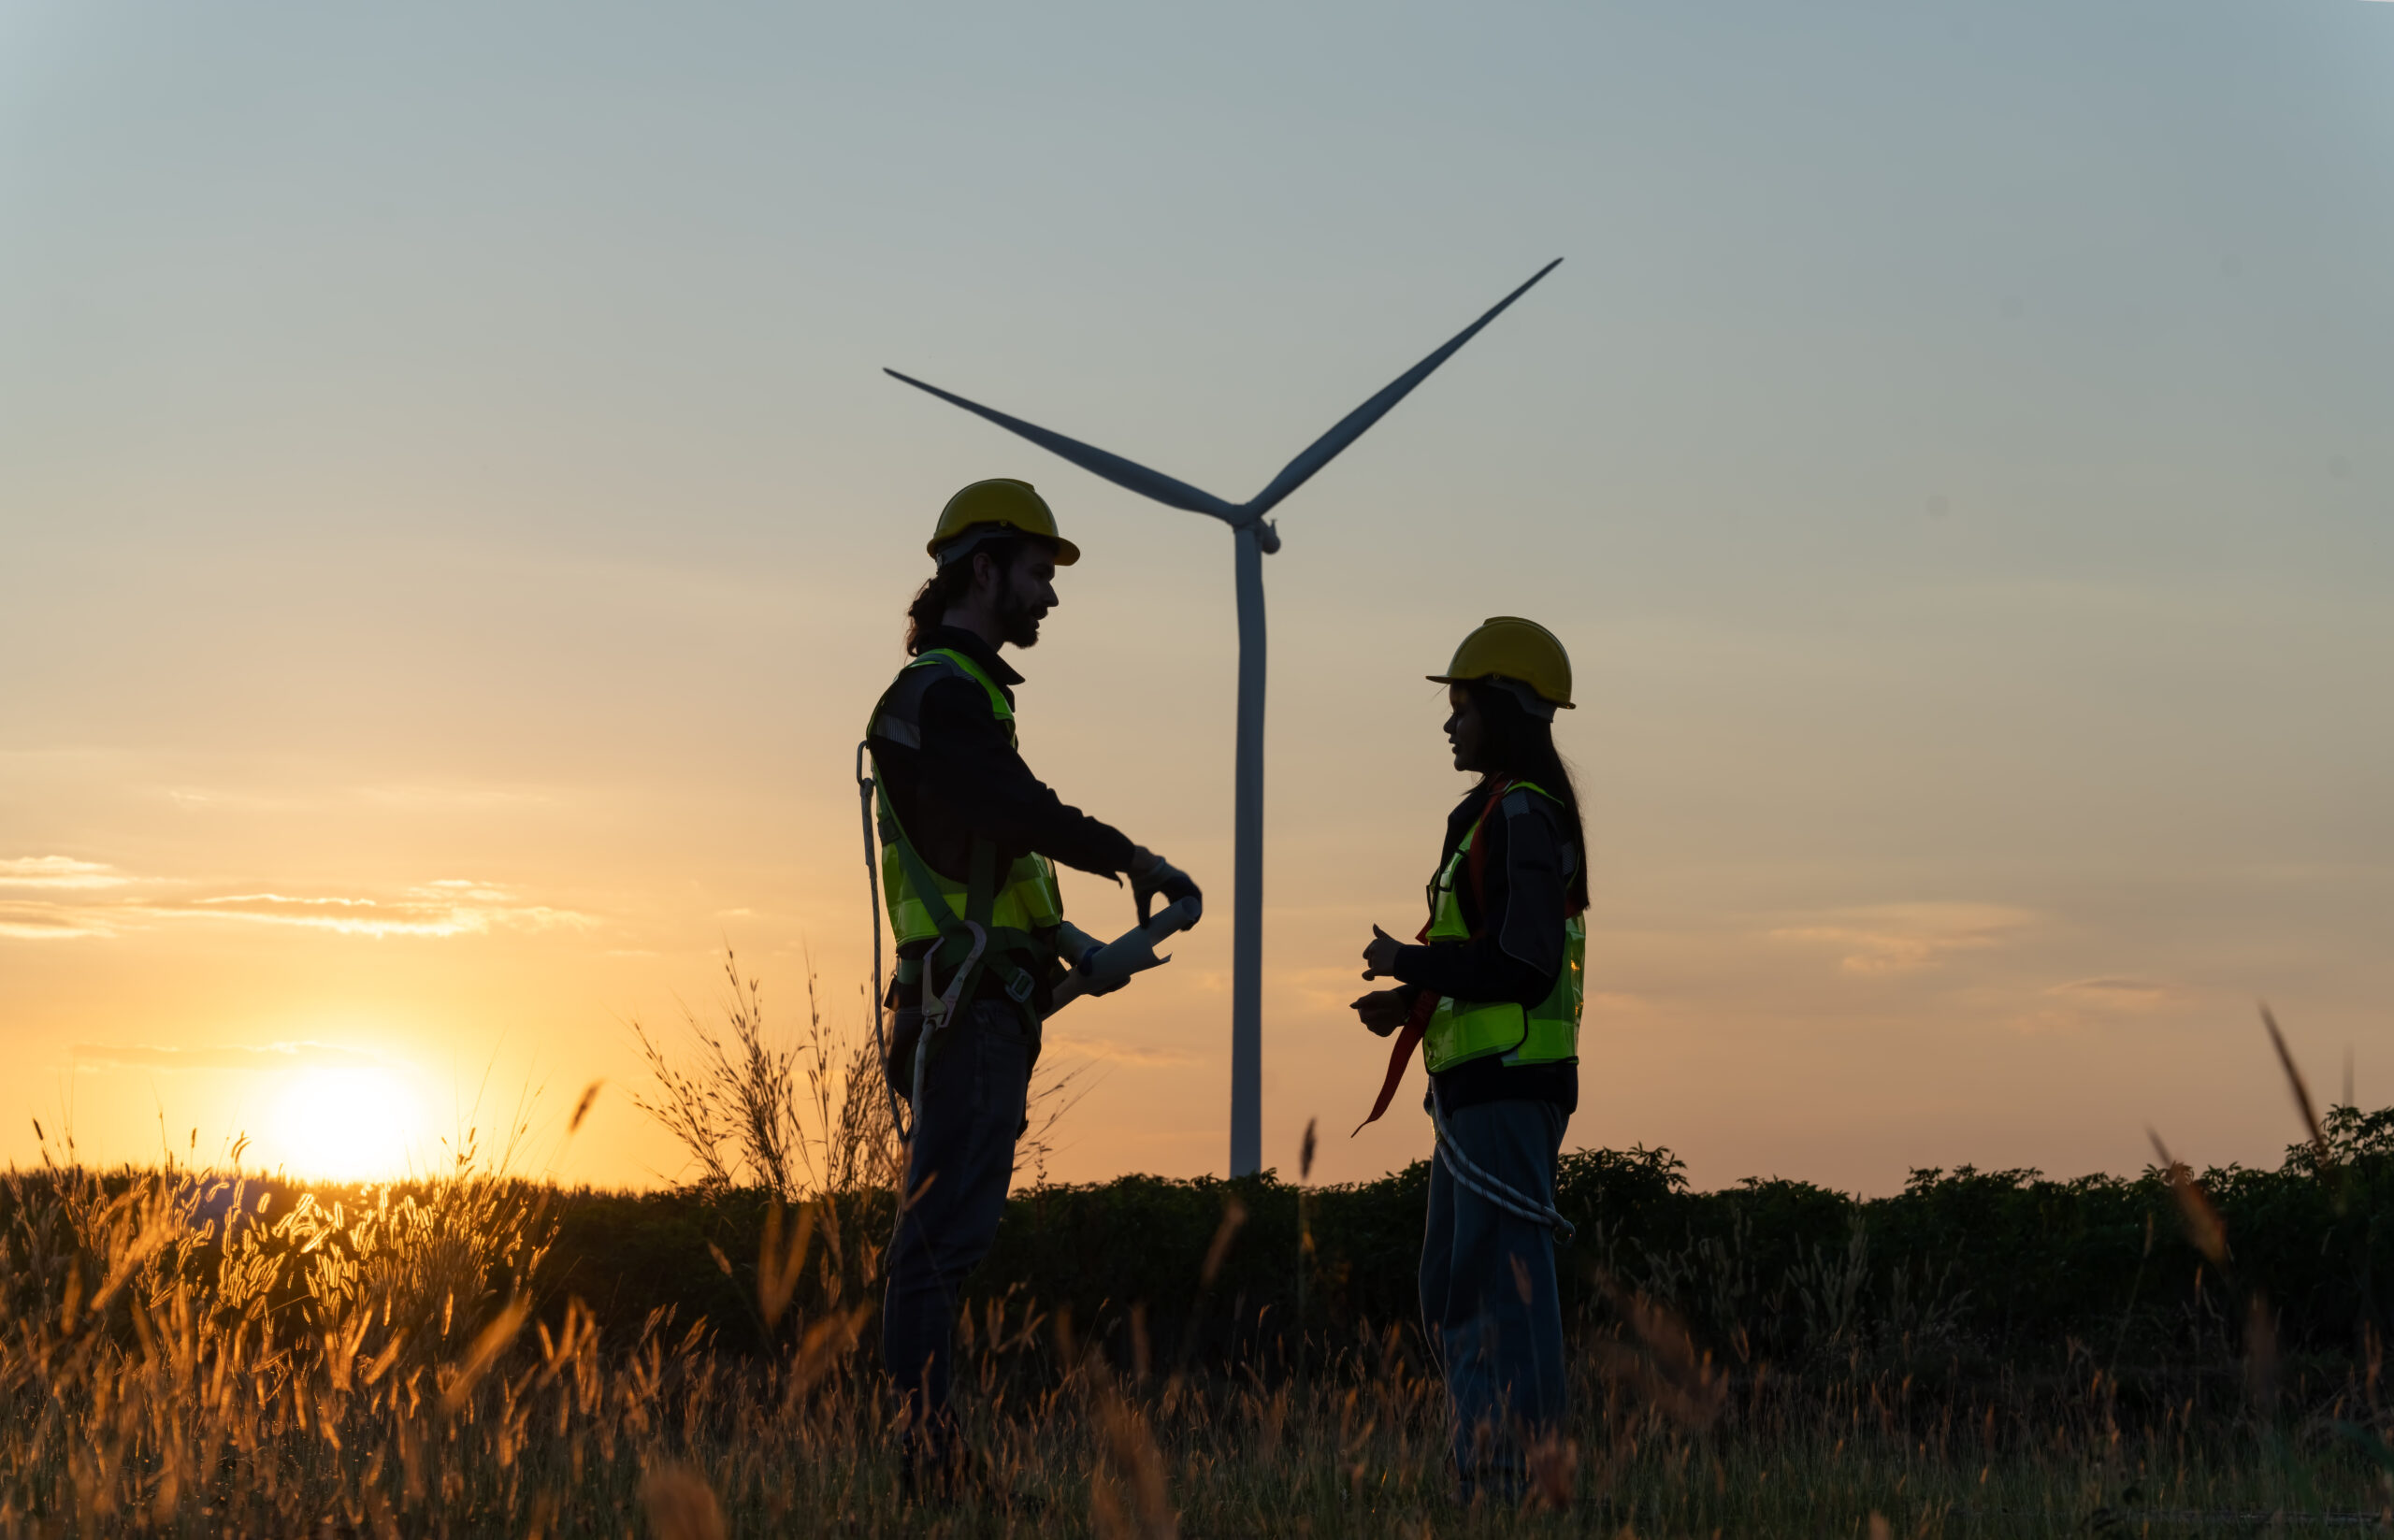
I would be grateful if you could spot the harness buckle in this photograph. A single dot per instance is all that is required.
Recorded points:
(946, 1001)
(1019, 990)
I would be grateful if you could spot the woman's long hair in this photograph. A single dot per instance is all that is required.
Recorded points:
(1522, 748)
(947, 587)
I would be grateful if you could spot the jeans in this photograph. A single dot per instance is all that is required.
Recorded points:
(1489, 1303)
(974, 1092)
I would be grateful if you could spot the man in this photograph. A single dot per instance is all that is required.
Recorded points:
(970, 840)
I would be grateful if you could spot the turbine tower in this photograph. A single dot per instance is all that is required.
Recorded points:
(1254, 538)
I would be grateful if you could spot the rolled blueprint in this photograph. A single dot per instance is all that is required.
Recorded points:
(1132, 952)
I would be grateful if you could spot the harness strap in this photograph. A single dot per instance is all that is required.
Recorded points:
(934, 1023)
(867, 786)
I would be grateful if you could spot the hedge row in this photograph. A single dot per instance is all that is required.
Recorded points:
(2003, 1267)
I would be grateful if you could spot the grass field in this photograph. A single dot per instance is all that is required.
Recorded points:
(187, 1351)
(194, 1354)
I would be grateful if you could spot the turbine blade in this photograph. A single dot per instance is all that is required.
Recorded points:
(1325, 449)
(1121, 472)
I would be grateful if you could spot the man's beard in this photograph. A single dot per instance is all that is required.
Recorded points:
(1019, 619)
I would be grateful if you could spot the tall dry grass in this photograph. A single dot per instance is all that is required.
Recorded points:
(808, 1115)
(809, 1118)
(180, 1356)
(172, 1362)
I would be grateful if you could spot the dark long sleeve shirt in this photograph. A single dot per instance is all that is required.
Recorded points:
(966, 778)
(1516, 951)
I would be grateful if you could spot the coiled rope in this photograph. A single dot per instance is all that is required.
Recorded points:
(1519, 1204)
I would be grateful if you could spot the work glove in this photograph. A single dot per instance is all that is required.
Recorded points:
(1151, 875)
(1383, 1010)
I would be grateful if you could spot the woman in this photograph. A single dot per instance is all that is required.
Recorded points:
(1493, 997)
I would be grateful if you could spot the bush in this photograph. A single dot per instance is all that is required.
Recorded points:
(1968, 1268)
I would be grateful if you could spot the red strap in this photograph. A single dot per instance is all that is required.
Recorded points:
(1408, 1037)
(1474, 861)
(1475, 864)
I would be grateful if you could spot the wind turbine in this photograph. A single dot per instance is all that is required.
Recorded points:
(1255, 539)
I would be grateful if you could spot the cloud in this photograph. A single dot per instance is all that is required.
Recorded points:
(1112, 1052)
(2089, 1002)
(458, 797)
(56, 872)
(1909, 937)
(48, 922)
(2114, 993)
(444, 799)
(42, 919)
(449, 906)
(441, 909)
(269, 1055)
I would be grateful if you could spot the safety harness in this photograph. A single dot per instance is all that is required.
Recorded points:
(963, 946)
(1466, 1171)
(1408, 1037)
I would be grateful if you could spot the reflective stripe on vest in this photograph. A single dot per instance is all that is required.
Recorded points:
(1026, 901)
(1461, 1030)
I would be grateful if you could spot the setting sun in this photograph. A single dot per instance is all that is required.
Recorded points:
(350, 1124)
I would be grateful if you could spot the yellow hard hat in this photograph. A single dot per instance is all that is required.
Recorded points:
(1008, 504)
(1510, 648)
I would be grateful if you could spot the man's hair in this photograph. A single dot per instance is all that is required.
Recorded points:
(1521, 747)
(950, 586)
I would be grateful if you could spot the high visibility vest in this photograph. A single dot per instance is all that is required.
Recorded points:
(1461, 1030)
(1020, 913)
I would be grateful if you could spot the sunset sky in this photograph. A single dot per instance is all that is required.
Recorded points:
(454, 524)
